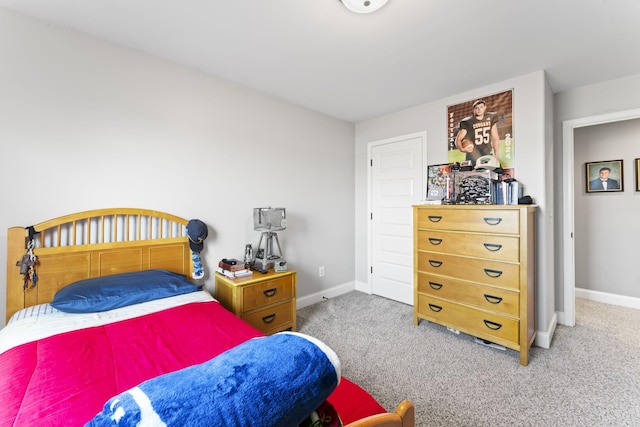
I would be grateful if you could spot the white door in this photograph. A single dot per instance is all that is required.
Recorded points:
(396, 183)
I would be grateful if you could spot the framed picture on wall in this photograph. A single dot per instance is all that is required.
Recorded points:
(637, 174)
(482, 126)
(604, 176)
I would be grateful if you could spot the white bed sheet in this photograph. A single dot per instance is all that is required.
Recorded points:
(33, 324)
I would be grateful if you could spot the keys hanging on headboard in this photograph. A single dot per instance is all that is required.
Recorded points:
(28, 262)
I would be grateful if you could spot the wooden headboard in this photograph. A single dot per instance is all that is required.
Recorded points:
(92, 244)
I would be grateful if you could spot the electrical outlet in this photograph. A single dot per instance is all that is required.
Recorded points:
(321, 271)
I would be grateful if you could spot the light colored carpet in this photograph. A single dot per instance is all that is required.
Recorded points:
(589, 377)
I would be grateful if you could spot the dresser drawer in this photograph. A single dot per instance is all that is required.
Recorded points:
(275, 317)
(480, 220)
(501, 301)
(478, 323)
(489, 246)
(492, 273)
(265, 293)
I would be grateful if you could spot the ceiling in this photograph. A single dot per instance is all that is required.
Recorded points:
(317, 54)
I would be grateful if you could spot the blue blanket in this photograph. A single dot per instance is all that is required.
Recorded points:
(277, 380)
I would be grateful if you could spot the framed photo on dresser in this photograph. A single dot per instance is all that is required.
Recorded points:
(604, 176)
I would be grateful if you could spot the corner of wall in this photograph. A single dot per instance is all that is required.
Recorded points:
(543, 338)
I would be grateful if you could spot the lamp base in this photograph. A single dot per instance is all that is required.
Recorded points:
(265, 255)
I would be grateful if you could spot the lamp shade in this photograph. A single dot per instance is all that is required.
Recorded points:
(269, 219)
(364, 6)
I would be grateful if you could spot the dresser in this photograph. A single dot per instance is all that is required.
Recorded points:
(474, 271)
(265, 301)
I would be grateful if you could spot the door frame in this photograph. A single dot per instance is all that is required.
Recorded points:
(568, 127)
(370, 146)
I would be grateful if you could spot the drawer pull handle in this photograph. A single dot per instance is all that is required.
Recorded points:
(492, 299)
(435, 241)
(435, 263)
(492, 273)
(268, 319)
(436, 286)
(492, 325)
(435, 218)
(493, 221)
(435, 308)
(493, 247)
(269, 292)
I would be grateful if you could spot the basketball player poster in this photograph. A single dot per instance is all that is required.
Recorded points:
(482, 126)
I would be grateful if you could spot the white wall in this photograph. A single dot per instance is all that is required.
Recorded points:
(533, 162)
(86, 124)
(606, 224)
(612, 96)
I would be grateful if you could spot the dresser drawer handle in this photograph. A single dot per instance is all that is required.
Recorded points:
(492, 273)
(435, 263)
(435, 218)
(493, 247)
(269, 292)
(436, 286)
(435, 241)
(493, 221)
(492, 325)
(268, 319)
(435, 308)
(492, 299)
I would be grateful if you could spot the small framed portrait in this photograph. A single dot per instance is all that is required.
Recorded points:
(439, 182)
(605, 176)
(637, 174)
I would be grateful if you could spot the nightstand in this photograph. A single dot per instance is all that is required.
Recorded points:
(265, 301)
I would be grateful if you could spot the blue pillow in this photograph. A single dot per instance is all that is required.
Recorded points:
(120, 290)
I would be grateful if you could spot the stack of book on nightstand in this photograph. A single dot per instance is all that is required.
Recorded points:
(233, 268)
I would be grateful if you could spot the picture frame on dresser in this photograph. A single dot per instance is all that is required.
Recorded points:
(439, 182)
(604, 176)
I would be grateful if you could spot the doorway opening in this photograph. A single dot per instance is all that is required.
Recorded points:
(568, 316)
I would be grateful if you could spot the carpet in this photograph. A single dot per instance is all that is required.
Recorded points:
(590, 376)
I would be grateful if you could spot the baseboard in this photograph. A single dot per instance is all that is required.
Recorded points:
(363, 287)
(560, 315)
(543, 338)
(608, 298)
(317, 297)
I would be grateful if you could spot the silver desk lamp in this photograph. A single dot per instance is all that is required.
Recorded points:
(268, 221)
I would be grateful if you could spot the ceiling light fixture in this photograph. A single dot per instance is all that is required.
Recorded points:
(363, 6)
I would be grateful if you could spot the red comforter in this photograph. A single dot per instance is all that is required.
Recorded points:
(65, 379)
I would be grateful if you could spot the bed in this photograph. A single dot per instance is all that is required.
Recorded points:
(65, 366)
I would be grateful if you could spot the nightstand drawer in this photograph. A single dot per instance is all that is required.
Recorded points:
(275, 317)
(479, 220)
(266, 301)
(492, 273)
(488, 326)
(489, 246)
(486, 297)
(269, 292)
